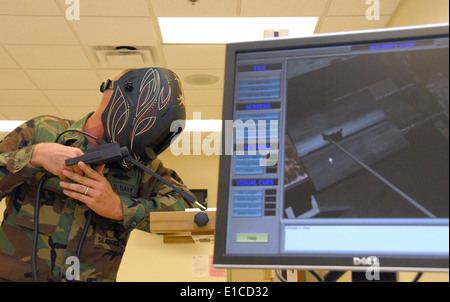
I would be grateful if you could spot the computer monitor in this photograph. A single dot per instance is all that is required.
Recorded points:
(336, 152)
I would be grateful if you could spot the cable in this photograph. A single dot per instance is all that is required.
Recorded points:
(280, 277)
(333, 276)
(83, 235)
(36, 228)
(316, 276)
(82, 132)
(189, 198)
(37, 208)
(417, 277)
(89, 217)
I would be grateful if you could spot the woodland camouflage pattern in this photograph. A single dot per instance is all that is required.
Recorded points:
(62, 219)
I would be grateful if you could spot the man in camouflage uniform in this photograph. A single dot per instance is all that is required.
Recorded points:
(120, 200)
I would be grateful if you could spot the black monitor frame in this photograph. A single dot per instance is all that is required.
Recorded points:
(221, 258)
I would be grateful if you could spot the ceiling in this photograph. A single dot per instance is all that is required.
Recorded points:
(49, 64)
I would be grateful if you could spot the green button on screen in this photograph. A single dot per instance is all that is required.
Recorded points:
(250, 238)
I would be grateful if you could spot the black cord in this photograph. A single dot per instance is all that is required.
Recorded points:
(89, 217)
(83, 235)
(280, 276)
(82, 132)
(333, 276)
(36, 228)
(37, 208)
(316, 276)
(186, 196)
(417, 277)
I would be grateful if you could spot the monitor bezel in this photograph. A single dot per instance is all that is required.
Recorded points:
(221, 259)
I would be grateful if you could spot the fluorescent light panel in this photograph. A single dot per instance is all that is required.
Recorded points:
(191, 125)
(8, 126)
(228, 30)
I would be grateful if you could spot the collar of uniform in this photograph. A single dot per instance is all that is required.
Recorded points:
(78, 125)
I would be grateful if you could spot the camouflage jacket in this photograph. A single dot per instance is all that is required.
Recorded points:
(62, 219)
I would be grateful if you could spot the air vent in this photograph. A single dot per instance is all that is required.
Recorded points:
(123, 56)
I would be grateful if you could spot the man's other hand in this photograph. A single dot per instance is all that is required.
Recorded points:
(52, 157)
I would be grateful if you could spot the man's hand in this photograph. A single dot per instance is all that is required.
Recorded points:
(94, 190)
(52, 157)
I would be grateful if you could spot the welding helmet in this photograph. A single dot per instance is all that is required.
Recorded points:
(145, 106)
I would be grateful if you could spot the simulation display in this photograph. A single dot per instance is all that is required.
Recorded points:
(357, 127)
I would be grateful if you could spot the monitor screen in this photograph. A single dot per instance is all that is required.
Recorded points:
(336, 152)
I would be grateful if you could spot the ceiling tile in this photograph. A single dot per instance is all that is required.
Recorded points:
(182, 8)
(23, 98)
(6, 61)
(65, 79)
(111, 8)
(49, 57)
(282, 8)
(351, 23)
(210, 97)
(27, 7)
(15, 79)
(108, 31)
(107, 74)
(359, 8)
(35, 30)
(27, 112)
(195, 57)
(74, 98)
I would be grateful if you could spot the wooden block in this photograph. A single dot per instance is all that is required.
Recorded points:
(180, 222)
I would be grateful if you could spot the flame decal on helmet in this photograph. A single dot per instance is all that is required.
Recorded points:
(180, 91)
(150, 94)
(163, 101)
(118, 115)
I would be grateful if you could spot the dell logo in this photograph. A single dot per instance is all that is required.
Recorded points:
(366, 261)
(373, 266)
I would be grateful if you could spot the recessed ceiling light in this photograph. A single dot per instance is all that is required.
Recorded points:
(223, 30)
(201, 79)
